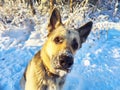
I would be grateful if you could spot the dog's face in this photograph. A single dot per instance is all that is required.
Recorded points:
(62, 43)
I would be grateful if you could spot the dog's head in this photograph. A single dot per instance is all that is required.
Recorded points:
(62, 43)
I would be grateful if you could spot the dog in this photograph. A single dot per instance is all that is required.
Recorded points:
(49, 67)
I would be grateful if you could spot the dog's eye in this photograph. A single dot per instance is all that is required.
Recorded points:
(58, 40)
(74, 44)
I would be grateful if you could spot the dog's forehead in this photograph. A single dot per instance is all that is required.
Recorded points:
(70, 33)
(66, 32)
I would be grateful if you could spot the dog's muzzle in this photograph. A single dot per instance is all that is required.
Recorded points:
(63, 62)
(66, 61)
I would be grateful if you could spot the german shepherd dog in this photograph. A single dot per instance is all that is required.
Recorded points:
(48, 68)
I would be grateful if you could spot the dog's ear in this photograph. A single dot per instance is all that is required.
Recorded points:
(84, 31)
(55, 20)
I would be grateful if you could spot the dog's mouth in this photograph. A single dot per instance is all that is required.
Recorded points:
(64, 69)
(63, 63)
(62, 72)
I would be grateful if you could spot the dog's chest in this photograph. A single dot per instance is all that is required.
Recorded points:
(53, 84)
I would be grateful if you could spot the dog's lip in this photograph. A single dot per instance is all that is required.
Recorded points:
(64, 69)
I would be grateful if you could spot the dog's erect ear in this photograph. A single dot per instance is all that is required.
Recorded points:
(55, 20)
(84, 31)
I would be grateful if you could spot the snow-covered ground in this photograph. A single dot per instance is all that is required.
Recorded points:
(97, 63)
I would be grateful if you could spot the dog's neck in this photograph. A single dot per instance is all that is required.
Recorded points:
(47, 71)
(48, 79)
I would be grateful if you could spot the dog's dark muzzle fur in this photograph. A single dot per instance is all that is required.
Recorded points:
(64, 60)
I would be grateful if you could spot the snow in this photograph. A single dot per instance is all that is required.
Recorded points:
(97, 63)
(86, 62)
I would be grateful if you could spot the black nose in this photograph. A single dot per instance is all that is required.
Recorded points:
(66, 61)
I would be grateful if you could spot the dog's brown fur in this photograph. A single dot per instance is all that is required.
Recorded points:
(48, 68)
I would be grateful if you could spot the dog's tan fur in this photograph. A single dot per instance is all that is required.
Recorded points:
(41, 73)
